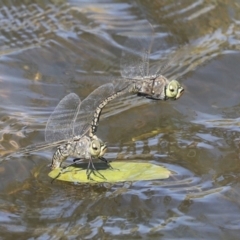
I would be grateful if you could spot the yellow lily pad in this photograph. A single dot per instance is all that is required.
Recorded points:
(118, 172)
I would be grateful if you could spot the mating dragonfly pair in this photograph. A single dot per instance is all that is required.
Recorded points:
(73, 124)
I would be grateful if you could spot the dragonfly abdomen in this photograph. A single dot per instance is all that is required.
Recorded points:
(100, 107)
(77, 148)
(59, 156)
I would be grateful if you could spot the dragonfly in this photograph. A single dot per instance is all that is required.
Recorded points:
(71, 119)
(72, 128)
(62, 125)
(73, 124)
(135, 69)
(136, 77)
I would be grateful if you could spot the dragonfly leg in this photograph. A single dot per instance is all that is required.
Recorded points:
(90, 165)
(91, 169)
(94, 173)
(91, 161)
(104, 160)
(108, 163)
(87, 172)
(75, 161)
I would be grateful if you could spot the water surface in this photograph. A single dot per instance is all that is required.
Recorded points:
(51, 48)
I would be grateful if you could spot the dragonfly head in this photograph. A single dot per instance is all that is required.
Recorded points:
(174, 90)
(98, 147)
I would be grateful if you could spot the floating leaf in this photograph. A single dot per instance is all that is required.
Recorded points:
(118, 172)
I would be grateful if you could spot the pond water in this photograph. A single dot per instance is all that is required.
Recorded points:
(51, 48)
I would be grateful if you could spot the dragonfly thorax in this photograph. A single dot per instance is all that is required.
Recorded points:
(154, 87)
(160, 88)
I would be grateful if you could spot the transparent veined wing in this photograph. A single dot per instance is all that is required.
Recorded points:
(146, 54)
(135, 57)
(88, 107)
(60, 124)
(70, 118)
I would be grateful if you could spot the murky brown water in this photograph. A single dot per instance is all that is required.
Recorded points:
(51, 48)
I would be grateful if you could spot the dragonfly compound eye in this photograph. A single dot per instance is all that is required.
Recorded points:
(171, 89)
(95, 147)
(174, 90)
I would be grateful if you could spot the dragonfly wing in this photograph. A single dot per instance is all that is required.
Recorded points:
(35, 148)
(60, 124)
(88, 107)
(135, 57)
(171, 67)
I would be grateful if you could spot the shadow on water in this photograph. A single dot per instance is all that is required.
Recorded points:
(48, 49)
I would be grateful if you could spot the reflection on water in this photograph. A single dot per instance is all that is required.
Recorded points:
(51, 48)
